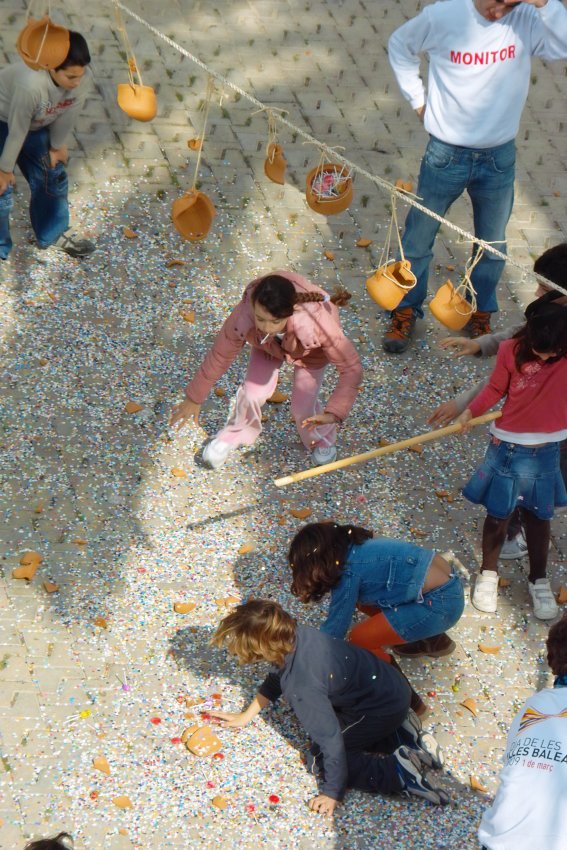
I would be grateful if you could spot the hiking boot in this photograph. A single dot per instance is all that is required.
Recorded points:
(398, 336)
(414, 782)
(545, 606)
(435, 647)
(74, 245)
(323, 454)
(479, 324)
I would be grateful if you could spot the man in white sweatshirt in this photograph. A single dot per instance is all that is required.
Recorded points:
(37, 112)
(479, 73)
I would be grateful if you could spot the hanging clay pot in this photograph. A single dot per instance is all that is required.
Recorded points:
(42, 44)
(193, 215)
(389, 284)
(332, 205)
(137, 101)
(275, 163)
(450, 308)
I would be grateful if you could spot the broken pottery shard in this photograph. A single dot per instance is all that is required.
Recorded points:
(301, 513)
(562, 595)
(329, 255)
(100, 763)
(219, 802)
(184, 607)
(187, 316)
(363, 243)
(123, 802)
(418, 449)
(50, 587)
(172, 263)
(188, 732)
(503, 581)
(79, 541)
(101, 623)
(470, 703)
(178, 473)
(195, 144)
(129, 233)
(383, 442)
(476, 785)
(29, 562)
(277, 397)
(204, 742)
(133, 407)
(219, 392)
(489, 650)
(245, 549)
(404, 185)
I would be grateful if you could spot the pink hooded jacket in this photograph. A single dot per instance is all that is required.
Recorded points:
(313, 338)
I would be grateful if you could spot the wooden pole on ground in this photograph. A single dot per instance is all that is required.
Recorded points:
(384, 450)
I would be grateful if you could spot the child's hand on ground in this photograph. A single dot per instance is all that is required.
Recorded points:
(444, 414)
(183, 413)
(464, 420)
(323, 804)
(463, 345)
(233, 721)
(6, 179)
(319, 419)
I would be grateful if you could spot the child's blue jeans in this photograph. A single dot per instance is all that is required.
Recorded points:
(49, 209)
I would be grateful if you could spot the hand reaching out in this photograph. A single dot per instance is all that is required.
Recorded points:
(462, 345)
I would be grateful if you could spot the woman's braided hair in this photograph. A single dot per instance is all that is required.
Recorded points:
(278, 296)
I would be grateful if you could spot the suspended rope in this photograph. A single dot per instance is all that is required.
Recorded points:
(373, 178)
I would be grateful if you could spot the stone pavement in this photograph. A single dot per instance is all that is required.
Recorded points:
(103, 666)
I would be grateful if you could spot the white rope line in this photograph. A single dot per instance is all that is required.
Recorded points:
(334, 156)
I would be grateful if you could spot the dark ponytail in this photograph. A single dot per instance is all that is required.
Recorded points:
(278, 296)
(545, 331)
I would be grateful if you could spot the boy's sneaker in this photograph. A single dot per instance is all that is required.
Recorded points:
(414, 783)
(478, 324)
(545, 606)
(428, 749)
(215, 453)
(323, 454)
(74, 244)
(514, 548)
(398, 336)
(485, 594)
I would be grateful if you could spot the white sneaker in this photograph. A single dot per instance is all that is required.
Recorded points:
(485, 595)
(323, 454)
(545, 606)
(215, 453)
(514, 548)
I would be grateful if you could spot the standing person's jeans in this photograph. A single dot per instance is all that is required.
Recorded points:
(446, 171)
(49, 209)
(245, 419)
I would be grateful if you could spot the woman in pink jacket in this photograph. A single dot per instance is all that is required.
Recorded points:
(283, 317)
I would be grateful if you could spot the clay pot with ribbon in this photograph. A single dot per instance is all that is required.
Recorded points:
(393, 279)
(134, 98)
(454, 306)
(42, 44)
(328, 187)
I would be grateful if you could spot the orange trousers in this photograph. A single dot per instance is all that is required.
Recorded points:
(375, 633)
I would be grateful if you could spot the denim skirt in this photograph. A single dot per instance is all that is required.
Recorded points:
(514, 476)
(433, 613)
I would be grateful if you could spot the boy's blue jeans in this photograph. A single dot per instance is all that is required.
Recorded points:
(49, 209)
(487, 174)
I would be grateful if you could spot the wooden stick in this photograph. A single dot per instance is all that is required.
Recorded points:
(384, 450)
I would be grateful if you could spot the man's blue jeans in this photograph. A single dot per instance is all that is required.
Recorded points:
(49, 209)
(446, 171)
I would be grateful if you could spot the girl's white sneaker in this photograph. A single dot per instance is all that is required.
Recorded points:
(485, 595)
(545, 606)
(323, 454)
(215, 453)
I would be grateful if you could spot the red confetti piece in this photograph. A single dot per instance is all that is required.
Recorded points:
(216, 696)
(431, 693)
(142, 570)
(205, 715)
(250, 807)
(180, 700)
(176, 740)
(210, 784)
(155, 720)
(94, 795)
(273, 798)
(218, 756)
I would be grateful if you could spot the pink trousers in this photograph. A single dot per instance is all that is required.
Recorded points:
(244, 422)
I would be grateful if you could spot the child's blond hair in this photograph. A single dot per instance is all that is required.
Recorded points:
(258, 630)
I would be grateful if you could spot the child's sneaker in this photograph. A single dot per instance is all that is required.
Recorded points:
(323, 454)
(485, 595)
(427, 748)
(215, 453)
(545, 606)
(514, 548)
(414, 782)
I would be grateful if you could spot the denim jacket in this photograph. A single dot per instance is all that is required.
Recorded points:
(380, 572)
